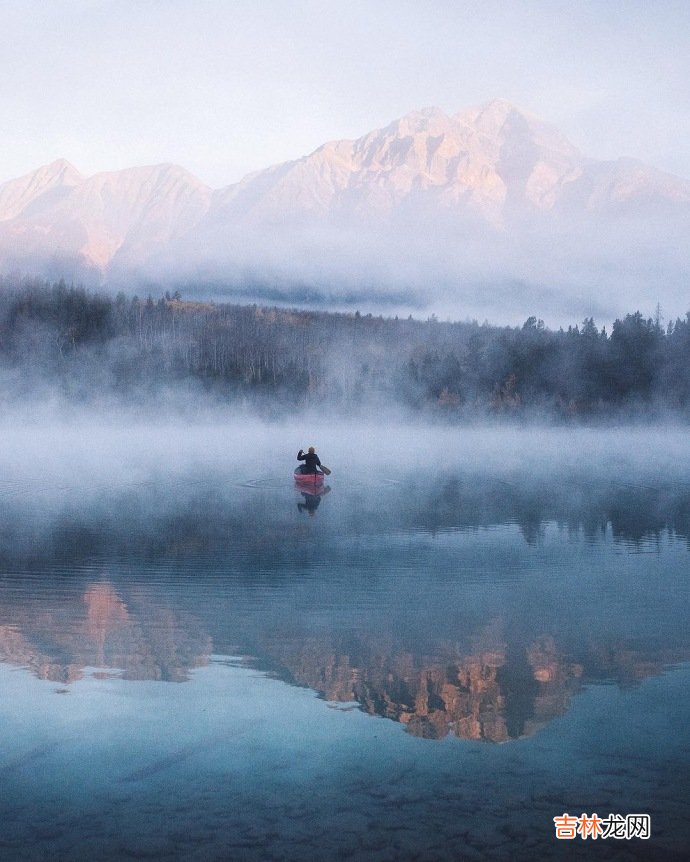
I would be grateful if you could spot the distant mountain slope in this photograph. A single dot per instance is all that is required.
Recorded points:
(49, 183)
(430, 202)
(485, 161)
(124, 216)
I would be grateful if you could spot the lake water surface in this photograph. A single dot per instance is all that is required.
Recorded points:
(466, 635)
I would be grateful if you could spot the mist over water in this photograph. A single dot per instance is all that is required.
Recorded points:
(85, 445)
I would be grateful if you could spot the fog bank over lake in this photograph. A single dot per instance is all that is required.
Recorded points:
(221, 479)
(85, 449)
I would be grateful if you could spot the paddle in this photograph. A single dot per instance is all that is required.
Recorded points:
(325, 470)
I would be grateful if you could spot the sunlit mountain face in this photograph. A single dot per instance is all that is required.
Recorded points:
(461, 212)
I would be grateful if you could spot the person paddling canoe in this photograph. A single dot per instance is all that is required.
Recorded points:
(311, 462)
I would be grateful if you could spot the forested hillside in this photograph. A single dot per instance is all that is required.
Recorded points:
(87, 344)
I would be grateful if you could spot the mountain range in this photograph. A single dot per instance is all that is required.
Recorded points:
(430, 208)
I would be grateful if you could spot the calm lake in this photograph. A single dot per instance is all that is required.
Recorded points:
(466, 634)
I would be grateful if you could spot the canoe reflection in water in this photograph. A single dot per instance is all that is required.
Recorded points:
(312, 497)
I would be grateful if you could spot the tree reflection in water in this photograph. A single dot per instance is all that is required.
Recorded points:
(458, 607)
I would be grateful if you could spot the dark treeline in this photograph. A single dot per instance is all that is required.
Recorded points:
(92, 344)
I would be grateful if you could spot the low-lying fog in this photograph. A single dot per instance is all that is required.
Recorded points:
(86, 451)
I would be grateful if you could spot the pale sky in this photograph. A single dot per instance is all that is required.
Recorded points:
(224, 88)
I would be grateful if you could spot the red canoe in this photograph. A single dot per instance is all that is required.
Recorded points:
(308, 480)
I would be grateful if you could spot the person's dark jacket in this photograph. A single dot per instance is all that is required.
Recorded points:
(311, 461)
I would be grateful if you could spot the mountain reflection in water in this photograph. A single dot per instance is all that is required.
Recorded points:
(462, 607)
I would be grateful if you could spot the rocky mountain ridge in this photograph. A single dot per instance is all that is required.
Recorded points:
(479, 179)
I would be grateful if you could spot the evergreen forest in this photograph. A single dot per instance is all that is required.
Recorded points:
(85, 344)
